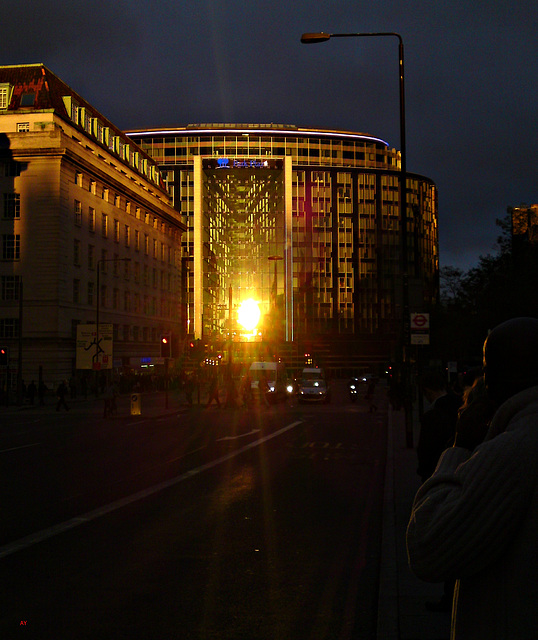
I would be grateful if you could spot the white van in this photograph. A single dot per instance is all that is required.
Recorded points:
(274, 375)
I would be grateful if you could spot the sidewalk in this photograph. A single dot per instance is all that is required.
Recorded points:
(152, 404)
(402, 614)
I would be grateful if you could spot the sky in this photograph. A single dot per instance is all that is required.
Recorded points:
(471, 81)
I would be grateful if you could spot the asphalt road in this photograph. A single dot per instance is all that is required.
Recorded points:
(228, 524)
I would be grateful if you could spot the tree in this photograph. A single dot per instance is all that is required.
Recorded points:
(500, 287)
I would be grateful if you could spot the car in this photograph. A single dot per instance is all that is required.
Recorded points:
(269, 378)
(313, 386)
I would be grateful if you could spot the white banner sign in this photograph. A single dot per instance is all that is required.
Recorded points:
(93, 353)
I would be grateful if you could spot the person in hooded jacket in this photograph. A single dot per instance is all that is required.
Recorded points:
(475, 519)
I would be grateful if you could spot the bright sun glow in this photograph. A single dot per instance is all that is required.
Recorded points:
(248, 314)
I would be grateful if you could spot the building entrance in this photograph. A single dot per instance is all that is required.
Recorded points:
(242, 248)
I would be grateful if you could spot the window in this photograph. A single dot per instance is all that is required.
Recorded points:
(127, 235)
(27, 100)
(90, 293)
(104, 225)
(76, 252)
(93, 187)
(10, 287)
(103, 293)
(23, 126)
(5, 95)
(78, 178)
(146, 244)
(11, 247)
(137, 240)
(117, 201)
(116, 230)
(91, 219)
(10, 168)
(9, 328)
(76, 291)
(115, 298)
(12, 206)
(91, 256)
(104, 194)
(78, 213)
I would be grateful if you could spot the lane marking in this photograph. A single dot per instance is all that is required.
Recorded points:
(241, 435)
(50, 532)
(23, 446)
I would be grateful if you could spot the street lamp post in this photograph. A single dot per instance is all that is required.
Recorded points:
(275, 260)
(96, 363)
(313, 38)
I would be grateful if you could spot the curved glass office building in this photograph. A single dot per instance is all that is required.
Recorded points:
(304, 221)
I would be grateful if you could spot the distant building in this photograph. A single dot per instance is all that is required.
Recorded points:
(305, 221)
(76, 195)
(524, 224)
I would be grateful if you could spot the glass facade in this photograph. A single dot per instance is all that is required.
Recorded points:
(307, 222)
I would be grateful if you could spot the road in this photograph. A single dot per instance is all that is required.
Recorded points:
(206, 523)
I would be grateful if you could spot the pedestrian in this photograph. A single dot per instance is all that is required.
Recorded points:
(476, 518)
(476, 412)
(231, 392)
(111, 393)
(188, 387)
(438, 423)
(372, 408)
(32, 391)
(437, 431)
(246, 390)
(60, 394)
(41, 391)
(213, 391)
(264, 388)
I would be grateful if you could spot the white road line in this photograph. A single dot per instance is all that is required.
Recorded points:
(241, 435)
(50, 532)
(23, 446)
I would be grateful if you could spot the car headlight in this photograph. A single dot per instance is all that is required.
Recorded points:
(352, 387)
(289, 388)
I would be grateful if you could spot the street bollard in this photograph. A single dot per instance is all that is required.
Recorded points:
(136, 402)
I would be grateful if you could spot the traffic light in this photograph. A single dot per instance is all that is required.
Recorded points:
(166, 345)
(4, 356)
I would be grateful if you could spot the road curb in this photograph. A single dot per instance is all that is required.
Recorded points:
(387, 604)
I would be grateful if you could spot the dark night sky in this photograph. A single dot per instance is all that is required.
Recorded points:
(470, 74)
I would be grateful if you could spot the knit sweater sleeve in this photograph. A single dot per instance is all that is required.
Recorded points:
(466, 513)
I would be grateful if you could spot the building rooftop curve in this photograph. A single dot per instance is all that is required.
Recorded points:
(221, 128)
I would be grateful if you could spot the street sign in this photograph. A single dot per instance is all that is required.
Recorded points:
(420, 338)
(420, 321)
(420, 328)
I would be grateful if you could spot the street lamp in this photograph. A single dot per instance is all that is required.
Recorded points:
(313, 38)
(96, 363)
(275, 259)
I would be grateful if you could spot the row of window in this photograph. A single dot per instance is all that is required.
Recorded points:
(120, 145)
(116, 199)
(9, 328)
(123, 300)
